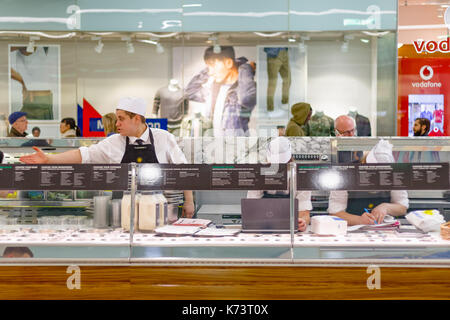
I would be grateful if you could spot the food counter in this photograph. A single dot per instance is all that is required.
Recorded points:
(245, 265)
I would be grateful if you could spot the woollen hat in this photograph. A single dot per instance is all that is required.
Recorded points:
(381, 153)
(16, 115)
(133, 104)
(279, 150)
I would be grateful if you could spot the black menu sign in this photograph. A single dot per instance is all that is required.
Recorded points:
(396, 176)
(109, 177)
(212, 177)
(64, 177)
(249, 177)
(173, 177)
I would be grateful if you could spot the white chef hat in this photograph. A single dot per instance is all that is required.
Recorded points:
(381, 153)
(133, 104)
(279, 150)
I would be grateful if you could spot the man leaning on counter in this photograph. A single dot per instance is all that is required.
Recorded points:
(136, 142)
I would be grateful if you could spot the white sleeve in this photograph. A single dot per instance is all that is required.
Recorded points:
(337, 201)
(101, 152)
(255, 194)
(174, 153)
(400, 197)
(304, 200)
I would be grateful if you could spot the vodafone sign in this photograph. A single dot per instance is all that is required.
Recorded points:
(432, 46)
(426, 73)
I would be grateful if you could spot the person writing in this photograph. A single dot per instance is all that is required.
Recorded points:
(136, 142)
(279, 151)
(362, 207)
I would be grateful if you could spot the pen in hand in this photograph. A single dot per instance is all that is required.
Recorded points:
(375, 221)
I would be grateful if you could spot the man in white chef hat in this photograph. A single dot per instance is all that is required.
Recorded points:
(136, 142)
(363, 207)
(279, 151)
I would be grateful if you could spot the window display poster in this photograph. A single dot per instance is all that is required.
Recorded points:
(281, 80)
(220, 84)
(428, 106)
(423, 92)
(34, 86)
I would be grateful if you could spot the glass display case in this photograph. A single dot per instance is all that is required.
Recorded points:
(75, 212)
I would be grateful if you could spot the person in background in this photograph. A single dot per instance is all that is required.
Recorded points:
(281, 131)
(136, 142)
(345, 126)
(36, 132)
(109, 124)
(69, 129)
(301, 113)
(362, 207)
(19, 124)
(17, 252)
(279, 151)
(421, 127)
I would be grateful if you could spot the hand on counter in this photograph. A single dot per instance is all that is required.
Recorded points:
(301, 224)
(188, 210)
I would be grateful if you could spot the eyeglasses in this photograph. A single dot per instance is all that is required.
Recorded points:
(348, 133)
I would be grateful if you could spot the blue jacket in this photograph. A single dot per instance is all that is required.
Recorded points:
(239, 102)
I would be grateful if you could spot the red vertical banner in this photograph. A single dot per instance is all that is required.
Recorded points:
(423, 92)
(89, 113)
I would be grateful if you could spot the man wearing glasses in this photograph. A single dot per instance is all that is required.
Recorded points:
(345, 126)
(19, 123)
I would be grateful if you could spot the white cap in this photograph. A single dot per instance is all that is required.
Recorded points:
(279, 150)
(381, 153)
(133, 104)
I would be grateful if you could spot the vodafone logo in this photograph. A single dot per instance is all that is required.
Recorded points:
(426, 73)
(432, 46)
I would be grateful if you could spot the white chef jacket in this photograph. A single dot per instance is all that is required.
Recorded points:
(303, 198)
(337, 201)
(112, 148)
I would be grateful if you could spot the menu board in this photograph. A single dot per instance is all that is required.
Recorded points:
(64, 177)
(396, 176)
(212, 177)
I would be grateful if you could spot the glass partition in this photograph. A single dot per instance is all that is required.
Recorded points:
(52, 213)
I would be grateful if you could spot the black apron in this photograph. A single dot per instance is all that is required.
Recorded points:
(360, 200)
(141, 153)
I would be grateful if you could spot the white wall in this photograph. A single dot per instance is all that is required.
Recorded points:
(339, 81)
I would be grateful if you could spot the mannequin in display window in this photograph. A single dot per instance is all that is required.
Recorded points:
(320, 125)
(362, 123)
(277, 63)
(170, 103)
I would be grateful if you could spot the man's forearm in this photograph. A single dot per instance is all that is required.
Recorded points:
(395, 209)
(188, 196)
(71, 156)
(352, 219)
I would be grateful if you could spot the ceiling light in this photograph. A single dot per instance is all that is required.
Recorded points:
(159, 48)
(99, 47)
(291, 39)
(30, 46)
(217, 49)
(130, 47)
(302, 47)
(365, 40)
